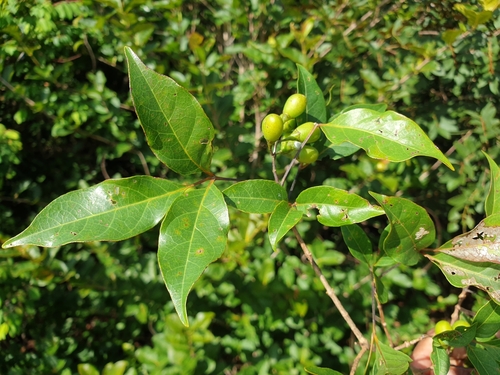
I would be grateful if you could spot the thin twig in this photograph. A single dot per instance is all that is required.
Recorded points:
(424, 175)
(329, 291)
(355, 363)
(456, 311)
(91, 52)
(407, 344)
(381, 312)
(143, 162)
(295, 158)
(28, 101)
(103, 168)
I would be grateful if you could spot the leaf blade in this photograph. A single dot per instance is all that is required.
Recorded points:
(387, 135)
(492, 202)
(177, 129)
(192, 235)
(108, 211)
(316, 105)
(255, 196)
(336, 207)
(462, 273)
(283, 218)
(358, 243)
(411, 229)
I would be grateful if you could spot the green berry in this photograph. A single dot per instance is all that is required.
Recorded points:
(460, 323)
(308, 155)
(295, 106)
(442, 326)
(302, 131)
(272, 127)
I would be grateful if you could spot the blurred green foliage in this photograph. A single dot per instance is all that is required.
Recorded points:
(66, 122)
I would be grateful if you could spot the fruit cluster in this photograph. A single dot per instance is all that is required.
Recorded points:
(284, 128)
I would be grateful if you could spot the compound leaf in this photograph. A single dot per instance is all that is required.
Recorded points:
(176, 127)
(192, 235)
(336, 207)
(411, 229)
(112, 210)
(387, 135)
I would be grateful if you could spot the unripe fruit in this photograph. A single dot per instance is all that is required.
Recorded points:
(302, 131)
(272, 127)
(442, 326)
(460, 323)
(308, 155)
(295, 105)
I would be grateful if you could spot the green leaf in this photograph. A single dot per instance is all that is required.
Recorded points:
(487, 320)
(387, 135)
(440, 360)
(315, 370)
(462, 273)
(390, 361)
(87, 369)
(482, 360)
(490, 5)
(117, 368)
(316, 106)
(492, 203)
(474, 19)
(112, 210)
(283, 218)
(382, 290)
(192, 235)
(411, 229)
(336, 207)
(358, 243)
(449, 36)
(255, 196)
(459, 337)
(481, 244)
(176, 127)
(378, 107)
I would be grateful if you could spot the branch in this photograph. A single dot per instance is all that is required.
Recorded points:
(363, 342)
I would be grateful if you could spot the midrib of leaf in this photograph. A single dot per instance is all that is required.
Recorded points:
(374, 135)
(169, 123)
(188, 259)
